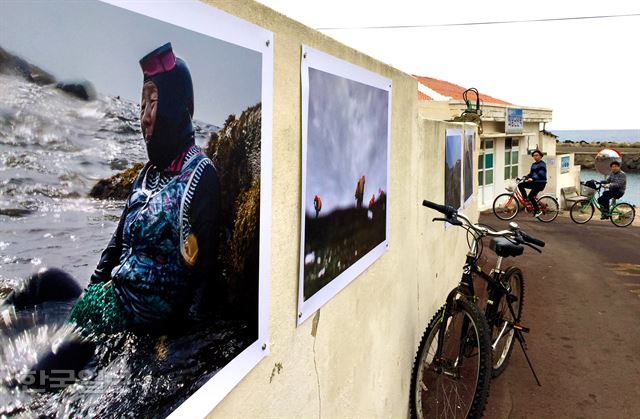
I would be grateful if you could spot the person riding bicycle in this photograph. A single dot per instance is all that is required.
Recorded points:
(617, 182)
(536, 180)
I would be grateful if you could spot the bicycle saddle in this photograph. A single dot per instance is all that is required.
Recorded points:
(505, 248)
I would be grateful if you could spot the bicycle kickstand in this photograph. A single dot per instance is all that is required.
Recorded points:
(518, 328)
(523, 345)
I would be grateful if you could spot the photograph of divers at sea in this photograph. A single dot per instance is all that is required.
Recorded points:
(346, 174)
(129, 233)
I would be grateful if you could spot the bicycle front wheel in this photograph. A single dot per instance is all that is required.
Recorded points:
(549, 207)
(623, 214)
(581, 211)
(456, 385)
(501, 322)
(505, 206)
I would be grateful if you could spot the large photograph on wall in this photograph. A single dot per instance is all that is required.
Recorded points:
(345, 140)
(469, 144)
(453, 168)
(135, 175)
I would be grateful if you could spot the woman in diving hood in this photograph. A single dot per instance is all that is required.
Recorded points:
(164, 246)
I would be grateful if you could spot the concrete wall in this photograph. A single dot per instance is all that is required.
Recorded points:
(354, 357)
(436, 110)
(559, 180)
(549, 144)
(494, 112)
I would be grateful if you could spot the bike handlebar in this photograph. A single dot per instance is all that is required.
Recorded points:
(447, 210)
(527, 238)
(452, 216)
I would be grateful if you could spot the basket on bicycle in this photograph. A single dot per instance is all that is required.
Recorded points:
(588, 189)
(510, 185)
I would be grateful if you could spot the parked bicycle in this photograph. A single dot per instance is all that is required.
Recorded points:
(621, 214)
(507, 205)
(462, 348)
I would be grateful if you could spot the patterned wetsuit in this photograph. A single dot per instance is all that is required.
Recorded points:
(153, 286)
(153, 282)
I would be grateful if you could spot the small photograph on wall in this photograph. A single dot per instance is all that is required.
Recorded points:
(345, 136)
(135, 142)
(469, 144)
(453, 168)
(565, 164)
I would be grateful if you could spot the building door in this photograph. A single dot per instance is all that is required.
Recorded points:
(485, 172)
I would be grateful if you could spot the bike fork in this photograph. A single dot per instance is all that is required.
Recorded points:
(447, 312)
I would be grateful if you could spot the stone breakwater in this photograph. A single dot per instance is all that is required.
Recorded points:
(585, 153)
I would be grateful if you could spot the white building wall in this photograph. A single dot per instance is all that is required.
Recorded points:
(354, 357)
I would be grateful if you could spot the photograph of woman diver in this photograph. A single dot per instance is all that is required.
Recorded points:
(150, 167)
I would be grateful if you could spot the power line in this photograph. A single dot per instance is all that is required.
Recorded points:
(497, 22)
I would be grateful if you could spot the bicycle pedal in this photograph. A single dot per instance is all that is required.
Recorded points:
(512, 298)
(521, 328)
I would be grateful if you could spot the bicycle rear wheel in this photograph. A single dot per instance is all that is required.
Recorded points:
(581, 211)
(505, 206)
(549, 207)
(457, 384)
(622, 214)
(500, 322)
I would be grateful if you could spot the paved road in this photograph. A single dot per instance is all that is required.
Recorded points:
(582, 302)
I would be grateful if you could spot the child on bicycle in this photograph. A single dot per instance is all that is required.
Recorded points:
(617, 182)
(536, 180)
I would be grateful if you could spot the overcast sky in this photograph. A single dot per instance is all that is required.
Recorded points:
(453, 149)
(103, 44)
(348, 125)
(585, 70)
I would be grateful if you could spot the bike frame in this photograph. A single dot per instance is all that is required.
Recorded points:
(523, 202)
(518, 196)
(465, 289)
(594, 201)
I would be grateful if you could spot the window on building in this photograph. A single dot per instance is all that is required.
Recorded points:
(511, 158)
(485, 163)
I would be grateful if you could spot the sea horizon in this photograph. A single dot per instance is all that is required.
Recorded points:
(609, 135)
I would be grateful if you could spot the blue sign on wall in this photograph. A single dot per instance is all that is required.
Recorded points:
(564, 164)
(513, 121)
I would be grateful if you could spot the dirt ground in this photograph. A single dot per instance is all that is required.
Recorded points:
(582, 303)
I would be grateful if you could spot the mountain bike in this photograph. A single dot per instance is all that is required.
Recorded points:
(462, 348)
(621, 214)
(507, 205)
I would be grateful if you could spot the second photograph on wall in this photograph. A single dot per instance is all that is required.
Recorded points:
(346, 114)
